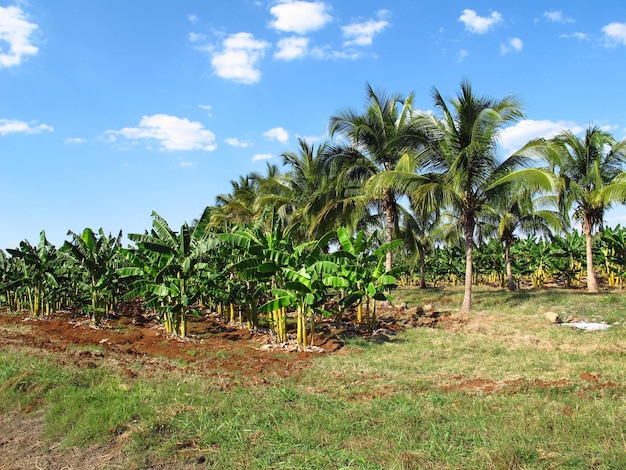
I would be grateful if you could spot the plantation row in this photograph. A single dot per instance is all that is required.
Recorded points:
(248, 271)
(535, 262)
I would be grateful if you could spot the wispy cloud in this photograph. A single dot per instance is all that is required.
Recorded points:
(9, 126)
(580, 36)
(513, 44)
(556, 17)
(300, 17)
(238, 58)
(615, 34)
(261, 156)
(479, 24)
(461, 55)
(362, 33)
(74, 140)
(16, 31)
(234, 142)
(173, 133)
(277, 133)
(292, 48)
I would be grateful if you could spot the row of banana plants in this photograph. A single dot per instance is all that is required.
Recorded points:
(245, 273)
(535, 262)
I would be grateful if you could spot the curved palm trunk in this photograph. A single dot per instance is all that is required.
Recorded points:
(468, 232)
(389, 207)
(592, 284)
(509, 270)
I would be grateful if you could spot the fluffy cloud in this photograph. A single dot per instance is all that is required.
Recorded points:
(362, 33)
(292, 48)
(15, 31)
(515, 137)
(277, 133)
(261, 156)
(556, 17)
(234, 142)
(300, 17)
(615, 33)
(8, 126)
(479, 24)
(514, 44)
(239, 57)
(172, 132)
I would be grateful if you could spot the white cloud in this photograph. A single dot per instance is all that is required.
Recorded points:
(193, 18)
(196, 37)
(362, 33)
(462, 54)
(277, 133)
(236, 142)
(615, 33)
(15, 32)
(207, 108)
(9, 126)
(327, 53)
(300, 17)
(515, 137)
(74, 140)
(479, 24)
(292, 48)
(261, 156)
(514, 44)
(556, 17)
(239, 58)
(186, 164)
(580, 36)
(172, 132)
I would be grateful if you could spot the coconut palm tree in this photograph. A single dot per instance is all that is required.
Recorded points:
(589, 169)
(461, 169)
(373, 142)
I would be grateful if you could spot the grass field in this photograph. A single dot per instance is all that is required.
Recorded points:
(500, 388)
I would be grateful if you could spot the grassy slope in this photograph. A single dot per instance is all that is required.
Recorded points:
(500, 388)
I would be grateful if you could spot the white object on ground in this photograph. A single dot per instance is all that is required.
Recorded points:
(583, 325)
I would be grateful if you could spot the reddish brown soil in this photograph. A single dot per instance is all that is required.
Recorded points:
(130, 335)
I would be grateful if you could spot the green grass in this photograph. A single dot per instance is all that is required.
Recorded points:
(500, 388)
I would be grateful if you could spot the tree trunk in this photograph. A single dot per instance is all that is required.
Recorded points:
(422, 274)
(468, 232)
(389, 207)
(509, 270)
(592, 284)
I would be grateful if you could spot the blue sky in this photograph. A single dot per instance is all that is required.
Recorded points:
(112, 109)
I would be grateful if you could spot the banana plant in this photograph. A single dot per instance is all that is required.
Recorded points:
(305, 270)
(166, 267)
(363, 267)
(38, 266)
(95, 259)
(613, 253)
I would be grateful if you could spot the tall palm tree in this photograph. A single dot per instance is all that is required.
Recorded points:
(373, 142)
(589, 169)
(239, 206)
(304, 185)
(467, 173)
(461, 168)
